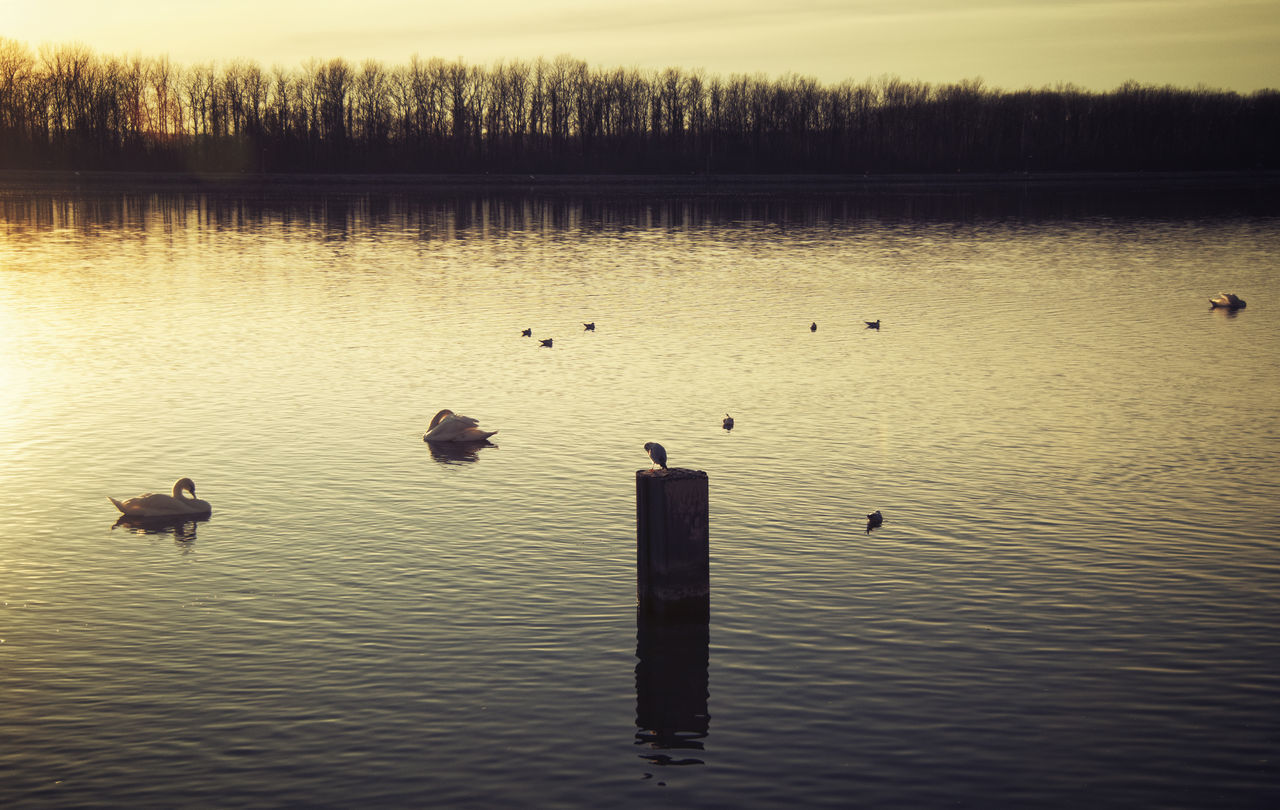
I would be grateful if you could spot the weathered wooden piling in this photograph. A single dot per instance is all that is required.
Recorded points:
(673, 569)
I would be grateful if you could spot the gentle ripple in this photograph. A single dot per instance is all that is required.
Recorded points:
(1072, 600)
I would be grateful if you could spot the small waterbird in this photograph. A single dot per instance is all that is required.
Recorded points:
(873, 324)
(657, 454)
(874, 520)
(1226, 301)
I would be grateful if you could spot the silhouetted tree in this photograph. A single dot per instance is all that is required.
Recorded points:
(68, 107)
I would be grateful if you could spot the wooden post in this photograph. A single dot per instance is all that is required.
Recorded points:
(673, 570)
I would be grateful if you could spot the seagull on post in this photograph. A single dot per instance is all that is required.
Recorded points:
(657, 453)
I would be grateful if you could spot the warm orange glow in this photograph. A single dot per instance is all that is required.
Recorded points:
(1097, 45)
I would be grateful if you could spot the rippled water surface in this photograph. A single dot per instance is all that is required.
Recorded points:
(1072, 601)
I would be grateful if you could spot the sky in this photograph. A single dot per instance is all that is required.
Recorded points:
(1009, 44)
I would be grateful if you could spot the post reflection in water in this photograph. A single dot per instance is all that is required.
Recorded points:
(183, 529)
(672, 683)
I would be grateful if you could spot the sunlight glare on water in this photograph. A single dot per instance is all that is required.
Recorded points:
(1072, 598)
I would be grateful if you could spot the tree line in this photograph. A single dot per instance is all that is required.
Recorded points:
(67, 107)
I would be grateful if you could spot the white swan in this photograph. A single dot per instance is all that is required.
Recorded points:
(157, 505)
(1226, 301)
(448, 426)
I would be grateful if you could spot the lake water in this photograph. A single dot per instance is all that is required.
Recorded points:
(1073, 601)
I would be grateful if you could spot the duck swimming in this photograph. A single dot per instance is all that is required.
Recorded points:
(728, 422)
(447, 426)
(158, 505)
(874, 521)
(1226, 301)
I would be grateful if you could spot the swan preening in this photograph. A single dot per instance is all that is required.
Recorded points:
(1226, 301)
(157, 505)
(447, 426)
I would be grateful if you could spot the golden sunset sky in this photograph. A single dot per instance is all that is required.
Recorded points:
(1011, 44)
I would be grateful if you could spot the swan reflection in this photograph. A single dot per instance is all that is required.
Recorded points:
(183, 529)
(457, 452)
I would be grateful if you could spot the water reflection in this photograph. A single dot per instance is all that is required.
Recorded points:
(672, 684)
(983, 423)
(341, 212)
(1227, 312)
(457, 452)
(183, 529)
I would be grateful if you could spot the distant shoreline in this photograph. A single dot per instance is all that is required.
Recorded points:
(701, 184)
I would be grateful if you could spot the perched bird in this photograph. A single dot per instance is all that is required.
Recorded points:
(589, 327)
(527, 333)
(657, 453)
(447, 426)
(873, 324)
(157, 505)
(547, 343)
(813, 327)
(1227, 301)
(728, 422)
(874, 520)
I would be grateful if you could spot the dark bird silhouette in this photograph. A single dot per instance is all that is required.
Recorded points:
(728, 422)
(589, 327)
(813, 327)
(527, 333)
(1229, 301)
(874, 520)
(657, 454)
(547, 343)
(872, 324)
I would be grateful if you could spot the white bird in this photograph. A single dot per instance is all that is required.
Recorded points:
(657, 453)
(158, 505)
(1226, 301)
(448, 426)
